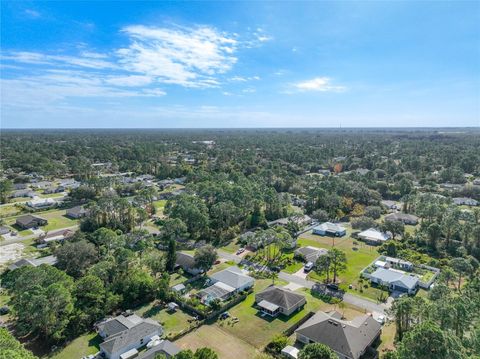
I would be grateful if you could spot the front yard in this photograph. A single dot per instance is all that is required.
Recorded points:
(81, 346)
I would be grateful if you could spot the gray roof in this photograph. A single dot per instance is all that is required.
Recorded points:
(125, 338)
(215, 292)
(402, 217)
(281, 297)
(395, 277)
(76, 211)
(185, 260)
(311, 254)
(27, 219)
(233, 276)
(118, 324)
(349, 338)
(330, 227)
(4, 230)
(165, 347)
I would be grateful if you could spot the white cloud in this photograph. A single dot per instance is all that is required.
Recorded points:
(129, 80)
(188, 57)
(32, 13)
(321, 84)
(57, 60)
(244, 79)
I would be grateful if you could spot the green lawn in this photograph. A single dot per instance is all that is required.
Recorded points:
(258, 331)
(9, 210)
(159, 206)
(56, 220)
(358, 257)
(232, 247)
(177, 278)
(172, 322)
(292, 268)
(81, 346)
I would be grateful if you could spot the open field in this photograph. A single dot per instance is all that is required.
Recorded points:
(225, 344)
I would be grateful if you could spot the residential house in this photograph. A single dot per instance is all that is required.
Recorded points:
(459, 201)
(290, 352)
(329, 229)
(402, 217)
(348, 339)
(165, 347)
(391, 205)
(398, 263)
(4, 230)
(310, 254)
(50, 260)
(41, 203)
(373, 236)
(302, 221)
(124, 335)
(186, 261)
(76, 212)
(218, 291)
(19, 186)
(234, 277)
(275, 300)
(42, 184)
(395, 280)
(56, 236)
(23, 193)
(30, 221)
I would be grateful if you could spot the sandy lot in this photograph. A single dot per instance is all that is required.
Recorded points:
(10, 252)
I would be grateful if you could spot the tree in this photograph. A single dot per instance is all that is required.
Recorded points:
(462, 266)
(5, 188)
(320, 215)
(426, 341)
(434, 232)
(11, 348)
(278, 342)
(76, 257)
(205, 353)
(402, 310)
(42, 298)
(394, 227)
(171, 255)
(373, 212)
(316, 351)
(322, 267)
(338, 262)
(205, 257)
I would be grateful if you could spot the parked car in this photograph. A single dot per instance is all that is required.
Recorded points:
(308, 267)
(332, 286)
(240, 251)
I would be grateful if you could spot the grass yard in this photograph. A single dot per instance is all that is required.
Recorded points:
(57, 220)
(232, 247)
(9, 210)
(177, 278)
(258, 331)
(358, 257)
(84, 345)
(172, 322)
(218, 267)
(387, 338)
(224, 343)
(159, 206)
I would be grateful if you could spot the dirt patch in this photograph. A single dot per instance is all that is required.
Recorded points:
(11, 253)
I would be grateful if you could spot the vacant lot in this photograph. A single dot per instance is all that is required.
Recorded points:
(224, 343)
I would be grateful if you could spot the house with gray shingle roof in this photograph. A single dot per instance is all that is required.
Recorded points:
(395, 280)
(310, 254)
(276, 300)
(165, 347)
(349, 339)
(126, 334)
(234, 277)
(405, 218)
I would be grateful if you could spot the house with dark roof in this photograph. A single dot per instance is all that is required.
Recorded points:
(187, 262)
(405, 218)
(30, 221)
(275, 300)
(310, 254)
(22, 193)
(329, 229)
(392, 205)
(348, 339)
(76, 212)
(126, 334)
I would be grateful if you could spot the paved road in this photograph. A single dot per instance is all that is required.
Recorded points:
(360, 302)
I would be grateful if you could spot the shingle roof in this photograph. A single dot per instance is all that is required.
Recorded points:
(282, 297)
(350, 338)
(132, 335)
(118, 324)
(311, 254)
(27, 219)
(165, 347)
(395, 277)
(330, 227)
(374, 235)
(232, 276)
(185, 260)
(401, 217)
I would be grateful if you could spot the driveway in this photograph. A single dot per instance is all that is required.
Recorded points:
(301, 273)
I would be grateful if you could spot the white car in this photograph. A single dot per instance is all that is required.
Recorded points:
(308, 267)
(240, 251)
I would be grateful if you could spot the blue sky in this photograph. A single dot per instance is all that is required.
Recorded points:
(240, 64)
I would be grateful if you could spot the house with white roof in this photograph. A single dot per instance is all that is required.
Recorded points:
(41, 202)
(395, 280)
(374, 236)
(329, 229)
